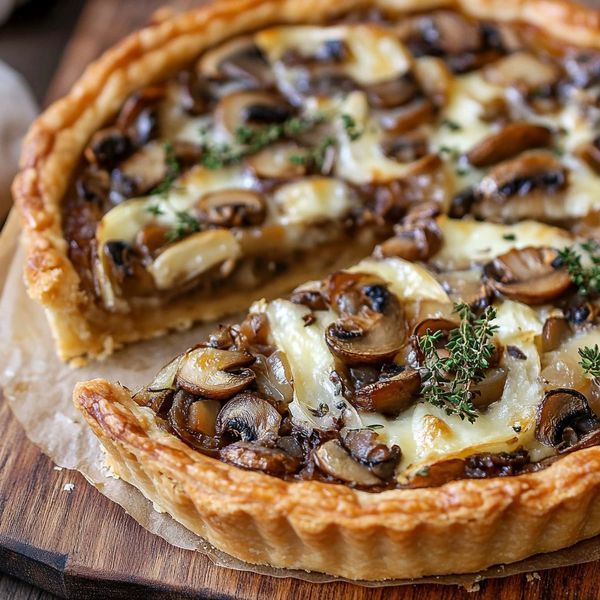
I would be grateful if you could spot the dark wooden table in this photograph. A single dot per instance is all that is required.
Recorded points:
(33, 42)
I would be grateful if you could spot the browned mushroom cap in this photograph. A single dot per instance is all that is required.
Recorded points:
(590, 153)
(522, 175)
(415, 241)
(555, 331)
(139, 115)
(438, 473)
(108, 147)
(527, 275)
(334, 460)
(279, 161)
(196, 97)
(249, 418)
(255, 457)
(405, 119)
(406, 148)
(434, 324)
(251, 109)
(391, 394)
(309, 295)
(240, 59)
(178, 418)
(490, 388)
(214, 373)
(511, 140)
(434, 79)
(563, 418)
(371, 329)
(365, 447)
(144, 169)
(158, 394)
(393, 92)
(522, 70)
(232, 208)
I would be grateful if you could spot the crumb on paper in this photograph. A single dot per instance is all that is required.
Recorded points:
(68, 487)
(57, 468)
(472, 587)
(531, 577)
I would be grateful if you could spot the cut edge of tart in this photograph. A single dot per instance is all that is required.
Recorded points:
(57, 140)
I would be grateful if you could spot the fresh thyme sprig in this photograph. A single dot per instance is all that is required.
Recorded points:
(250, 141)
(449, 379)
(316, 156)
(185, 225)
(173, 171)
(352, 130)
(586, 278)
(590, 360)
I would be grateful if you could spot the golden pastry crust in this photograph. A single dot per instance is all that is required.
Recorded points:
(56, 140)
(460, 527)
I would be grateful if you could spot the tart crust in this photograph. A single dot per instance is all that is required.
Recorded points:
(57, 138)
(460, 527)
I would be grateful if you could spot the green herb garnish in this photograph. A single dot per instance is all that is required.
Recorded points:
(352, 130)
(155, 209)
(452, 125)
(314, 156)
(449, 379)
(509, 237)
(185, 225)
(586, 278)
(173, 171)
(590, 360)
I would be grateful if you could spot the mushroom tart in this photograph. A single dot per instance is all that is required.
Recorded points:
(388, 397)
(427, 401)
(216, 168)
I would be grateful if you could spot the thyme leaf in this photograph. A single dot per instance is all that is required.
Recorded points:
(185, 225)
(586, 278)
(449, 379)
(590, 360)
(173, 171)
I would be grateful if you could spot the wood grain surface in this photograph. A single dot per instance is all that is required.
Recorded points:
(78, 544)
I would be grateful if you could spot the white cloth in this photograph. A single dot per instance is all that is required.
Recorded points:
(17, 111)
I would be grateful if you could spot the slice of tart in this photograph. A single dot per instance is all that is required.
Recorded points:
(189, 173)
(442, 415)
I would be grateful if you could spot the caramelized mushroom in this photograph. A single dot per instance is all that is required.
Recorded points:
(309, 295)
(391, 394)
(251, 109)
(371, 329)
(238, 59)
(522, 175)
(144, 170)
(365, 447)
(232, 208)
(253, 456)
(527, 275)
(108, 147)
(555, 331)
(334, 460)
(405, 148)
(563, 418)
(202, 416)
(590, 153)
(434, 78)
(93, 185)
(511, 140)
(158, 394)
(214, 373)
(393, 92)
(249, 418)
(415, 242)
(196, 96)
(139, 115)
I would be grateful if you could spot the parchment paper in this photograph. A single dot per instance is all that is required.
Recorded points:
(38, 388)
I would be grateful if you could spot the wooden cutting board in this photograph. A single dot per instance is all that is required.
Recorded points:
(78, 544)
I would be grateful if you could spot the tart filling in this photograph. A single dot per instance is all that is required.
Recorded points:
(285, 145)
(480, 362)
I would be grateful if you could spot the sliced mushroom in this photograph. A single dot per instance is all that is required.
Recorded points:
(202, 416)
(126, 269)
(232, 208)
(139, 115)
(334, 460)
(490, 388)
(238, 59)
(251, 109)
(393, 92)
(178, 418)
(522, 70)
(214, 373)
(309, 295)
(511, 140)
(528, 275)
(108, 147)
(434, 78)
(563, 418)
(438, 473)
(521, 176)
(555, 331)
(433, 324)
(590, 153)
(415, 242)
(580, 312)
(152, 238)
(145, 169)
(371, 329)
(93, 185)
(253, 456)
(406, 148)
(158, 394)
(407, 118)
(365, 447)
(467, 287)
(279, 161)
(196, 95)
(389, 395)
(249, 418)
